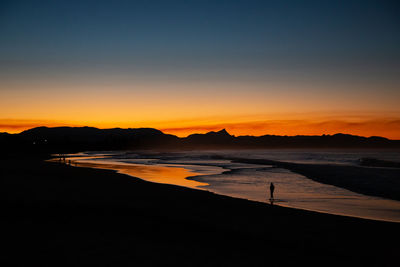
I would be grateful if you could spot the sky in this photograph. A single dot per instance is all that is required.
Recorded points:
(252, 67)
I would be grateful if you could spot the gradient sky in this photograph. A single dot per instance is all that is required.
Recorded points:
(253, 67)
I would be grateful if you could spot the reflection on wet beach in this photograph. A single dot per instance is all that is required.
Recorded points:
(248, 181)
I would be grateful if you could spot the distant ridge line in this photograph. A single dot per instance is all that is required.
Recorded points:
(75, 139)
(222, 131)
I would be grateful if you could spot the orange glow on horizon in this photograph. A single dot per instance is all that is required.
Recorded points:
(385, 128)
(389, 128)
(183, 107)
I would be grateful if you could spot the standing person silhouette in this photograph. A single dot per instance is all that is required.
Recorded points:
(271, 190)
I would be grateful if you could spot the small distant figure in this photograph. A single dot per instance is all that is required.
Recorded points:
(271, 190)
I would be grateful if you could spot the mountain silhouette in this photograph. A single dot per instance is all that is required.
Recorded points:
(221, 139)
(74, 139)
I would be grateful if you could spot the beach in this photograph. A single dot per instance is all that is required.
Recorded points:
(322, 181)
(62, 215)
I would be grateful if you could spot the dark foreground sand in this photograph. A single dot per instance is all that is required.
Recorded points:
(58, 215)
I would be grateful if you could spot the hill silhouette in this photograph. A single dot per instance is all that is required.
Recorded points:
(73, 139)
(220, 139)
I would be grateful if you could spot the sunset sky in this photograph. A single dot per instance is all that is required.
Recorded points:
(252, 67)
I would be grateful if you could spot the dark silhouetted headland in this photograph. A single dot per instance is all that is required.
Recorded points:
(73, 139)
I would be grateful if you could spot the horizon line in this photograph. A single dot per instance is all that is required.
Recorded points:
(215, 131)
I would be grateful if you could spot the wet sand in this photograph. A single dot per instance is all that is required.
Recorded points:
(296, 191)
(372, 181)
(152, 173)
(59, 215)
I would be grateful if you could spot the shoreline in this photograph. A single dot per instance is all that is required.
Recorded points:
(190, 179)
(178, 174)
(363, 180)
(79, 216)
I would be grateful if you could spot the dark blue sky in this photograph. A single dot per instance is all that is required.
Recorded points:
(259, 37)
